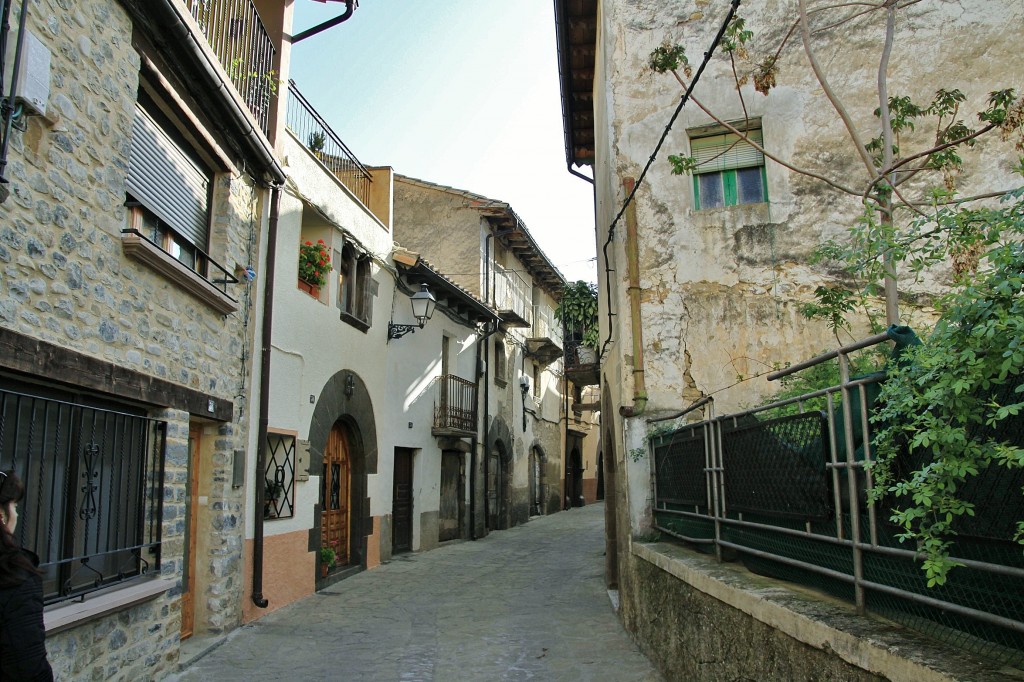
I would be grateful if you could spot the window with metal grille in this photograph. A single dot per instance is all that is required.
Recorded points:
(93, 487)
(730, 171)
(279, 477)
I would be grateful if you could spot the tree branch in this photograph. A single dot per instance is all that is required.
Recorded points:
(805, 31)
(733, 129)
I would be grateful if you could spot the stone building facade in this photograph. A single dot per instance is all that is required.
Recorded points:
(109, 305)
(704, 288)
(488, 251)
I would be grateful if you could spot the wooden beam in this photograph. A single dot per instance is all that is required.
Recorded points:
(37, 358)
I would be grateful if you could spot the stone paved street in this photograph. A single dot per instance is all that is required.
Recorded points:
(523, 604)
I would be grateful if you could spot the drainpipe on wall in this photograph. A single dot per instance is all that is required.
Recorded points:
(350, 6)
(264, 416)
(481, 348)
(487, 383)
(8, 118)
(633, 275)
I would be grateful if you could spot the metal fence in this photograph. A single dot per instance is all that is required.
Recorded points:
(313, 132)
(783, 489)
(94, 487)
(236, 33)
(455, 403)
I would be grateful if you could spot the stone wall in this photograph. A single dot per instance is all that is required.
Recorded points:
(65, 279)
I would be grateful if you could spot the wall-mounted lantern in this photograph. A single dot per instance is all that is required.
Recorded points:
(423, 303)
(524, 386)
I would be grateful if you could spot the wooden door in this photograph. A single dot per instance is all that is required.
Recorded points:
(450, 516)
(401, 512)
(335, 485)
(188, 597)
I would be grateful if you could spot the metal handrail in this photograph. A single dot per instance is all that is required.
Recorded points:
(237, 35)
(512, 292)
(456, 403)
(220, 284)
(313, 132)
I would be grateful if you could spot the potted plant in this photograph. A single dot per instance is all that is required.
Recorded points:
(314, 264)
(577, 311)
(271, 491)
(328, 557)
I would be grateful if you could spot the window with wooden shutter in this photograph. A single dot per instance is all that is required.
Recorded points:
(729, 169)
(168, 187)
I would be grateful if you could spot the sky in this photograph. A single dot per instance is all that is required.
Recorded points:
(462, 93)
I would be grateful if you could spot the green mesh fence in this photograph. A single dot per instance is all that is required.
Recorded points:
(778, 472)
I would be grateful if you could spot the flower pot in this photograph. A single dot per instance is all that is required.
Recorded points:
(311, 289)
(586, 355)
(324, 568)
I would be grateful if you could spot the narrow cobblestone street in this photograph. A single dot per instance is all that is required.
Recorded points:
(528, 603)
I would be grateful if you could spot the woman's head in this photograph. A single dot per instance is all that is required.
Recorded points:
(11, 492)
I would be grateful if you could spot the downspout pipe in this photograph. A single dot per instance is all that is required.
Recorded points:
(481, 348)
(350, 7)
(8, 114)
(176, 36)
(573, 171)
(487, 383)
(636, 324)
(264, 416)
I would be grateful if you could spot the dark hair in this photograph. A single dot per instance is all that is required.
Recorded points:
(15, 565)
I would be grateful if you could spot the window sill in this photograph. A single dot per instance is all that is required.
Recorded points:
(66, 616)
(352, 320)
(146, 253)
(501, 383)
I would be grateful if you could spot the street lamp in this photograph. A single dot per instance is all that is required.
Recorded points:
(524, 386)
(423, 303)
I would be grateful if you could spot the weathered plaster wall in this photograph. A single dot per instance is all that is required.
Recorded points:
(721, 287)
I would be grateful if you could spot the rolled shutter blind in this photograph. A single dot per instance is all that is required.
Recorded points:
(167, 182)
(723, 152)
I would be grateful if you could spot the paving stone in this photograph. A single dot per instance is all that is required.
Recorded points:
(527, 603)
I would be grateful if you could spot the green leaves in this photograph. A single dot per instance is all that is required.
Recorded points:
(668, 58)
(942, 404)
(577, 311)
(682, 165)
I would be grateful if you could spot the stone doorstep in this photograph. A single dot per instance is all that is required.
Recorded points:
(101, 604)
(815, 619)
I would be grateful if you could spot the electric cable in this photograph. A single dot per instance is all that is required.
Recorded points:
(650, 161)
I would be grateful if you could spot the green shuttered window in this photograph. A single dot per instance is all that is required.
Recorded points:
(730, 171)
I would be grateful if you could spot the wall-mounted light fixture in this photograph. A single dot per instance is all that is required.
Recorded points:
(524, 386)
(423, 303)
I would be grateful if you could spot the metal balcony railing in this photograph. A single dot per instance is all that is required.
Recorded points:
(314, 133)
(512, 294)
(455, 403)
(545, 326)
(236, 33)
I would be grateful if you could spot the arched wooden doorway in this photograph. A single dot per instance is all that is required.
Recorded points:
(336, 493)
(497, 486)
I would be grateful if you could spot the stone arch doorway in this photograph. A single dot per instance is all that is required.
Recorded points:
(498, 478)
(499, 471)
(343, 434)
(538, 505)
